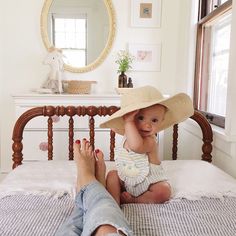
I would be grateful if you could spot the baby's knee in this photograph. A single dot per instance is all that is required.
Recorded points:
(162, 192)
(165, 192)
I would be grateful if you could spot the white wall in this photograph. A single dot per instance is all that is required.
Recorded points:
(23, 52)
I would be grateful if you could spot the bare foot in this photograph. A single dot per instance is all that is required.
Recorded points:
(126, 197)
(100, 167)
(85, 162)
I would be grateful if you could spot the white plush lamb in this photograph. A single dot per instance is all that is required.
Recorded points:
(55, 60)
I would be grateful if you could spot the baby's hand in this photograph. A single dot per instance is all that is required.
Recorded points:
(129, 117)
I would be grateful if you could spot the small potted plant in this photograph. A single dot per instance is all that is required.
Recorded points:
(124, 60)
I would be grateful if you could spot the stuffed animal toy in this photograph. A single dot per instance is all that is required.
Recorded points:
(54, 59)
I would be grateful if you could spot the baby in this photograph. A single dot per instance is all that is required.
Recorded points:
(140, 177)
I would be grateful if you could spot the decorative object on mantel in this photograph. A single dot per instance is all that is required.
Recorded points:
(124, 60)
(130, 83)
(77, 86)
(54, 81)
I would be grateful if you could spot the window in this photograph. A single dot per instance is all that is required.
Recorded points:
(207, 6)
(212, 56)
(70, 34)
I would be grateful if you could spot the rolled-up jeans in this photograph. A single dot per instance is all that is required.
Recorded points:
(94, 207)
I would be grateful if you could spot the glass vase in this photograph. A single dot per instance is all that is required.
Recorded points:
(122, 80)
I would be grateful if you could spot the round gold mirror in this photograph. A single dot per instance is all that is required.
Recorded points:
(83, 29)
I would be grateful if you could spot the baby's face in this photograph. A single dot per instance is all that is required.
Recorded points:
(148, 120)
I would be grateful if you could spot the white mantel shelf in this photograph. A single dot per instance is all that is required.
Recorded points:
(36, 99)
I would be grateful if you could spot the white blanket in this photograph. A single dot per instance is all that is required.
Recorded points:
(52, 178)
(195, 179)
(189, 179)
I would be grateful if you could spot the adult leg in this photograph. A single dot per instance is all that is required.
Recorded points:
(100, 213)
(103, 215)
(74, 224)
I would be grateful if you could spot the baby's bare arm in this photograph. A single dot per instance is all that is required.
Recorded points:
(135, 141)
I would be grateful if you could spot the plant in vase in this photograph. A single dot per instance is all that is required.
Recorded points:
(124, 60)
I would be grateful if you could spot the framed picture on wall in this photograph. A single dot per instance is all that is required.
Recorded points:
(146, 13)
(147, 57)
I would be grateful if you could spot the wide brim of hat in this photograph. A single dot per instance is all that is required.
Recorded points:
(179, 108)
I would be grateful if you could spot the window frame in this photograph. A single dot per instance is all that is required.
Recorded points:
(64, 16)
(205, 17)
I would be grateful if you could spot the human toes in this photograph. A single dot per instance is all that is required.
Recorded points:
(84, 144)
(77, 147)
(100, 167)
(86, 148)
(99, 155)
(100, 164)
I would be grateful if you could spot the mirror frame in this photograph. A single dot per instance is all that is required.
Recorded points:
(105, 51)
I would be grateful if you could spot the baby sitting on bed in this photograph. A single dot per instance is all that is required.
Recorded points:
(140, 177)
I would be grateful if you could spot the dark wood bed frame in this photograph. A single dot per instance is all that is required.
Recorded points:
(92, 111)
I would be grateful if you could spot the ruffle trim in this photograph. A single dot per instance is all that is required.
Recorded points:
(132, 167)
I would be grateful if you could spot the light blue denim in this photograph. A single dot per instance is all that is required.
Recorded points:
(94, 207)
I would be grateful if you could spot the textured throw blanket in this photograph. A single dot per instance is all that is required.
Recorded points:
(211, 217)
(29, 215)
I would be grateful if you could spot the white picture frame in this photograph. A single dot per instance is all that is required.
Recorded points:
(146, 13)
(147, 57)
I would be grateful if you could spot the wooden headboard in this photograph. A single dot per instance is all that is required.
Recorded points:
(91, 112)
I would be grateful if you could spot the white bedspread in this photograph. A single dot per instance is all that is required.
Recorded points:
(52, 178)
(189, 179)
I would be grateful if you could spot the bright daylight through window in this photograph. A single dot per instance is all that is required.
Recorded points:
(212, 61)
(70, 34)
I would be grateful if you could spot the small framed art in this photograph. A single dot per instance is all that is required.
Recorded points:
(147, 57)
(146, 13)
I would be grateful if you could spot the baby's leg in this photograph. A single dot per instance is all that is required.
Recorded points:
(113, 185)
(157, 193)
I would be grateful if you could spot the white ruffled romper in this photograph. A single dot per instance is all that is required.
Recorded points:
(136, 171)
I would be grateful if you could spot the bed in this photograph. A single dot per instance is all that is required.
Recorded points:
(37, 197)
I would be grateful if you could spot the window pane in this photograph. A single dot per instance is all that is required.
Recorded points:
(71, 36)
(219, 66)
(77, 57)
(213, 88)
(80, 41)
(59, 25)
(218, 85)
(223, 1)
(60, 40)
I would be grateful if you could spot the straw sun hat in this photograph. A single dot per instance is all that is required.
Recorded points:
(179, 107)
